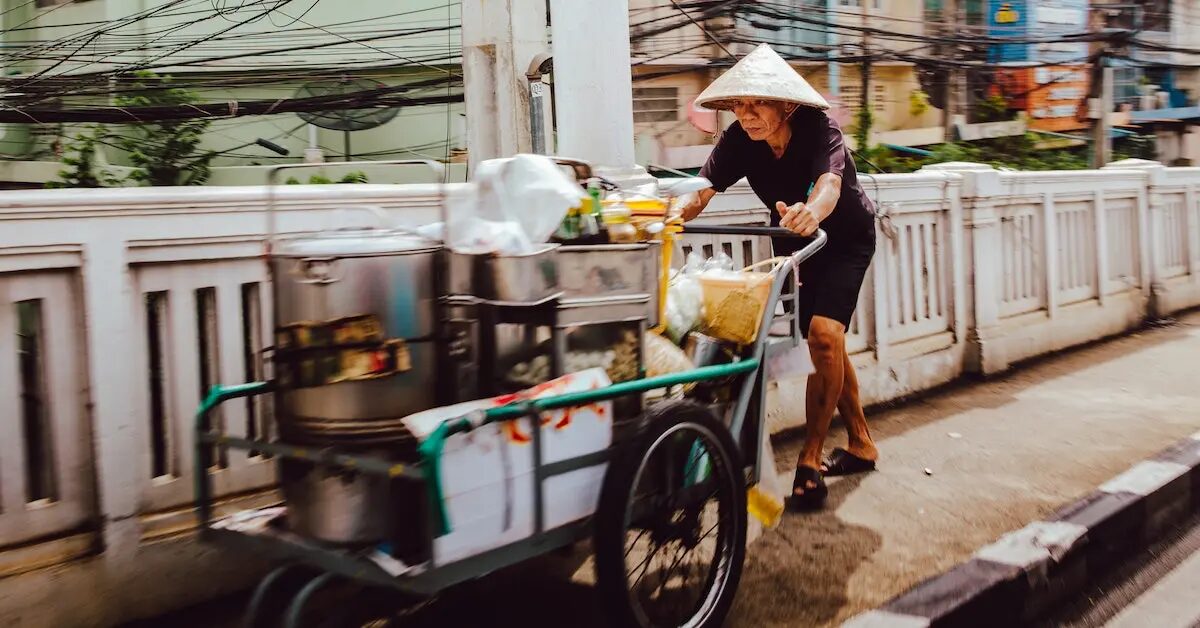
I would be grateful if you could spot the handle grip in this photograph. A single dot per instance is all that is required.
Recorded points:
(774, 232)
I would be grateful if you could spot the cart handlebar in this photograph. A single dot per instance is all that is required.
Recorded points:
(774, 232)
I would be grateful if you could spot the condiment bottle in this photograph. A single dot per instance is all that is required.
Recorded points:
(618, 220)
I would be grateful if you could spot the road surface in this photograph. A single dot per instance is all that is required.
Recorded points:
(1000, 454)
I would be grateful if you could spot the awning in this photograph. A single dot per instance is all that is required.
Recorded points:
(1171, 114)
(909, 149)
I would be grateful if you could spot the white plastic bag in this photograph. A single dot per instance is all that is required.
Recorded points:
(719, 262)
(795, 362)
(518, 204)
(685, 299)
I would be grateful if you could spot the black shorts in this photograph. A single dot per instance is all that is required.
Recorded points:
(831, 280)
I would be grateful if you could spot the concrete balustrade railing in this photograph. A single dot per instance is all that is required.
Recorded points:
(117, 307)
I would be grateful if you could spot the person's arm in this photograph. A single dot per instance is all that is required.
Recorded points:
(828, 165)
(805, 218)
(693, 209)
(723, 168)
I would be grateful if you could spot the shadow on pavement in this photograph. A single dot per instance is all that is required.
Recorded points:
(797, 574)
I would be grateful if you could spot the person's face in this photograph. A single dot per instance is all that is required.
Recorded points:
(761, 118)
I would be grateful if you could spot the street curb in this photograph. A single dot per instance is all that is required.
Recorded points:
(1012, 581)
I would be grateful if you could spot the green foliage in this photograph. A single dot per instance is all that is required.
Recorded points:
(80, 160)
(167, 152)
(317, 179)
(918, 102)
(862, 127)
(1013, 153)
(993, 109)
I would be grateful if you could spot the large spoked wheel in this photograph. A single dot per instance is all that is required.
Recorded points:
(671, 525)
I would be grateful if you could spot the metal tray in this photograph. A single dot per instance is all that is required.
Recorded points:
(590, 274)
(609, 269)
(506, 278)
(616, 309)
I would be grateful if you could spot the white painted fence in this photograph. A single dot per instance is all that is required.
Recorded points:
(117, 307)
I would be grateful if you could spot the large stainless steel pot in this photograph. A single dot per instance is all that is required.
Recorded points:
(353, 272)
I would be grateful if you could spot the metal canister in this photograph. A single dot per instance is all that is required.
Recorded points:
(379, 275)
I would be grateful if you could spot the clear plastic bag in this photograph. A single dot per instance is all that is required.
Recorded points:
(685, 303)
(517, 204)
(718, 262)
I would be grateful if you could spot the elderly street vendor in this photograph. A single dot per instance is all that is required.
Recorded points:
(796, 161)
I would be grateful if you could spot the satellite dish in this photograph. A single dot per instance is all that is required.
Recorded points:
(346, 120)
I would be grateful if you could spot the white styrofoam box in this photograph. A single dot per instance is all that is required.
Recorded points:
(486, 473)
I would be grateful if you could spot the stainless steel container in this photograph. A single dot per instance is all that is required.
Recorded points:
(705, 350)
(525, 278)
(587, 273)
(377, 272)
(332, 506)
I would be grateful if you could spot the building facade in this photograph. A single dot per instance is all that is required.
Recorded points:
(227, 52)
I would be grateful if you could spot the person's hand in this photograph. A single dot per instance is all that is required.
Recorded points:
(798, 218)
(692, 209)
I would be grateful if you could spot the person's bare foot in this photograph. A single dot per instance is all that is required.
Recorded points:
(866, 451)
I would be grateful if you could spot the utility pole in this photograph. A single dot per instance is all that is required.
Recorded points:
(594, 87)
(950, 98)
(864, 119)
(831, 35)
(1101, 140)
(499, 41)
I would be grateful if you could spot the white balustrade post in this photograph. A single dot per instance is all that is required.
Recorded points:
(1150, 209)
(1050, 256)
(979, 263)
(107, 295)
(1191, 221)
(881, 307)
(1101, 251)
(1151, 214)
(961, 260)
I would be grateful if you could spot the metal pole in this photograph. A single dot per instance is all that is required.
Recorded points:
(831, 35)
(1101, 142)
(537, 116)
(950, 99)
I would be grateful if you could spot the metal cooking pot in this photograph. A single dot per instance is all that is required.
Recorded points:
(376, 272)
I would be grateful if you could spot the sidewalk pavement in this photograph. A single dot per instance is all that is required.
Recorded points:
(999, 454)
(958, 470)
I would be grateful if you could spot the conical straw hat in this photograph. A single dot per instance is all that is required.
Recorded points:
(760, 74)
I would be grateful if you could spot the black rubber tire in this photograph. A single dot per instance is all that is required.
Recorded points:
(273, 595)
(610, 523)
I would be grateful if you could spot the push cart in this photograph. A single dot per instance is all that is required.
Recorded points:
(668, 529)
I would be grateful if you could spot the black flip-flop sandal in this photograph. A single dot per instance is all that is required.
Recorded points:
(812, 498)
(842, 462)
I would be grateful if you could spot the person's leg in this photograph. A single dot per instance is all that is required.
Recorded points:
(827, 346)
(850, 407)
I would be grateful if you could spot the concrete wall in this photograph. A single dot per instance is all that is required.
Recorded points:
(976, 270)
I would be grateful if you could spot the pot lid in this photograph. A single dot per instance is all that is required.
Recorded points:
(356, 241)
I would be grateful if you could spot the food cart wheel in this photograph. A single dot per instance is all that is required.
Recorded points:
(670, 535)
(273, 595)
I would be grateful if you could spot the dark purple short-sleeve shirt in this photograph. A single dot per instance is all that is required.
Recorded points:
(816, 148)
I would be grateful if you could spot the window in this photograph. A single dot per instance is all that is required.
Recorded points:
(39, 456)
(655, 104)
(210, 359)
(157, 340)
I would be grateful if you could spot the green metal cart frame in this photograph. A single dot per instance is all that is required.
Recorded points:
(320, 564)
